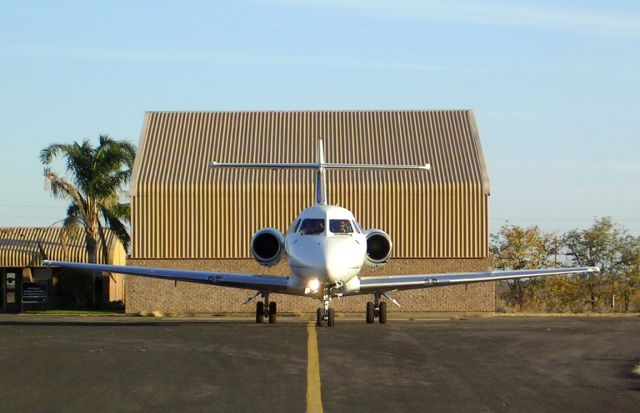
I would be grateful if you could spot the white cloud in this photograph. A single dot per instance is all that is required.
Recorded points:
(228, 58)
(570, 166)
(490, 13)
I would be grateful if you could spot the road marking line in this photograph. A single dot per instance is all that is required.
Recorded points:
(314, 396)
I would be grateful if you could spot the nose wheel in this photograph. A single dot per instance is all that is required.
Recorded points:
(329, 317)
(325, 313)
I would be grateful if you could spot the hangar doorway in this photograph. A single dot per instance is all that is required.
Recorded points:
(10, 280)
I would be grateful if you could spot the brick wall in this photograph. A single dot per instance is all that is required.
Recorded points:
(147, 294)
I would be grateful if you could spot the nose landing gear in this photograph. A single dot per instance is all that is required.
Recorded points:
(325, 313)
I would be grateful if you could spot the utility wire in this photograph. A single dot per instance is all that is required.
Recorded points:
(32, 206)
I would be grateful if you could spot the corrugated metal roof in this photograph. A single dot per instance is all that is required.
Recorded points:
(184, 209)
(19, 246)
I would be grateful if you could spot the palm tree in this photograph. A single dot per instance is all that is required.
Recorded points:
(96, 176)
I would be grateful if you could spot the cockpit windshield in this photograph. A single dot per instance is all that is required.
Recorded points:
(340, 226)
(312, 226)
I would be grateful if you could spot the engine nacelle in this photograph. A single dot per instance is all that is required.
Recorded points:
(378, 248)
(267, 246)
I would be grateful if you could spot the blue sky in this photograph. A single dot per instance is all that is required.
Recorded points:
(554, 84)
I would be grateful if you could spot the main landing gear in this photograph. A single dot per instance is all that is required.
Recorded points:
(377, 309)
(325, 313)
(267, 309)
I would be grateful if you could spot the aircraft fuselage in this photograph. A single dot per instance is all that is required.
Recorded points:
(325, 243)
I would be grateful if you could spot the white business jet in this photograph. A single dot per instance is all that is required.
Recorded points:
(326, 249)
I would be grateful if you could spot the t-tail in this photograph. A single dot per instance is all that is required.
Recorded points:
(320, 166)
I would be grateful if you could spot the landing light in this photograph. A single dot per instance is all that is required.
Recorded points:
(313, 286)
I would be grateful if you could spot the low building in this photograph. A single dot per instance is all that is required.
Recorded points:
(186, 215)
(22, 273)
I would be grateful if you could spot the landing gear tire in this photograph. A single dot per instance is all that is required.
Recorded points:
(259, 312)
(330, 317)
(382, 313)
(272, 312)
(319, 316)
(370, 313)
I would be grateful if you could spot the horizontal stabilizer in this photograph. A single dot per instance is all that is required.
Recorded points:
(320, 166)
(362, 166)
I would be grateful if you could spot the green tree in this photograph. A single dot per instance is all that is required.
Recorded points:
(602, 245)
(96, 175)
(518, 248)
(628, 274)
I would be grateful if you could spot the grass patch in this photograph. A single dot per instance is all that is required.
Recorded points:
(551, 315)
(76, 312)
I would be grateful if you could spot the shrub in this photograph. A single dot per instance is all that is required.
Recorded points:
(74, 288)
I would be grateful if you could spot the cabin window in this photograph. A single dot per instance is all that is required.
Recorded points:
(312, 226)
(340, 226)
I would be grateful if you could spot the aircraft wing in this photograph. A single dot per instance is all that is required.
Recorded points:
(247, 281)
(370, 285)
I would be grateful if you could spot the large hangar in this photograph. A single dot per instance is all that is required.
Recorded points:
(186, 215)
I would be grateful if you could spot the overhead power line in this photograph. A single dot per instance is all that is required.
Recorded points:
(27, 217)
(32, 206)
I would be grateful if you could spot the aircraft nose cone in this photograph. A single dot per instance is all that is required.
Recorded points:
(329, 261)
(308, 258)
(342, 261)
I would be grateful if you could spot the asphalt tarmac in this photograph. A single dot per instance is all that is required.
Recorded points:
(131, 364)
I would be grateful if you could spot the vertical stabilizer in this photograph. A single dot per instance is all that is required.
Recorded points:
(321, 176)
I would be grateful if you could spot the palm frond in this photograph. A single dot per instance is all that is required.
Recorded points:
(61, 188)
(117, 226)
(51, 151)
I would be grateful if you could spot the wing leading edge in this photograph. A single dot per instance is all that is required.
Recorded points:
(246, 281)
(407, 282)
(368, 285)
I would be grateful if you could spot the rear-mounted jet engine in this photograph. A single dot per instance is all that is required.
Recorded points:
(267, 246)
(378, 248)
